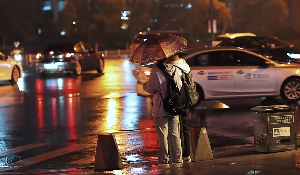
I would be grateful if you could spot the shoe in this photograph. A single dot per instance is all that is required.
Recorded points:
(177, 165)
(187, 159)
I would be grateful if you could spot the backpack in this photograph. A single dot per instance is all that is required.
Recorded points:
(177, 101)
(190, 88)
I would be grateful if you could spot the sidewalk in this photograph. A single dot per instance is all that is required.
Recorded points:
(244, 162)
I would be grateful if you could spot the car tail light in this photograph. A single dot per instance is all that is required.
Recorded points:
(130, 46)
(38, 56)
(68, 55)
(147, 73)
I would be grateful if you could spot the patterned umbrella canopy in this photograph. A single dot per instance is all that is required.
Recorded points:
(157, 48)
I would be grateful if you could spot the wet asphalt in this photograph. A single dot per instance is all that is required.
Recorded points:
(63, 112)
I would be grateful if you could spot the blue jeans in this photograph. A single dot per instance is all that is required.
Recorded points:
(168, 136)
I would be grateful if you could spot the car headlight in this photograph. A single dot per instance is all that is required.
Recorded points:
(18, 57)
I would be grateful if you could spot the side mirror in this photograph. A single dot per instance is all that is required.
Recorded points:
(6, 57)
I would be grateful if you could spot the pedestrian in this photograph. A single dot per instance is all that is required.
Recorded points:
(164, 83)
(184, 119)
(185, 136)
(167, 126)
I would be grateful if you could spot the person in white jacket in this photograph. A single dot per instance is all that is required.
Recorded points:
(167, 126)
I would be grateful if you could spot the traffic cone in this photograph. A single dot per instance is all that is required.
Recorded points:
(107, 154)
(200, 146)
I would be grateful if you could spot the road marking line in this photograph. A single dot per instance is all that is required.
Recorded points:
(87, 160)
(20, 149)
(50, 155)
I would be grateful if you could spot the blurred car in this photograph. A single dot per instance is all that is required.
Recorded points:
(271, 48)
(68, 58)
(229, 73)
(10, 69)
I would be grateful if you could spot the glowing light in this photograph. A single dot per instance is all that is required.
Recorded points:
(111, 117)
(60, 84)
(20, 84)
(63, 33)
(51, 52)
(293, 55)
(71, 107)
(53, 104)
(147, 73)
(40, 111)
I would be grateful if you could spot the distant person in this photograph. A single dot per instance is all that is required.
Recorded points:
(18, 49)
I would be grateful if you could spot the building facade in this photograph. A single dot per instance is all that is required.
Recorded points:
(56, 6)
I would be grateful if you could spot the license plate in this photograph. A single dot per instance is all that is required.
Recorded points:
(50, 66)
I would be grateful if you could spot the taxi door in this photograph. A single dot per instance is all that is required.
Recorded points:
(212, 71)
(252, 75)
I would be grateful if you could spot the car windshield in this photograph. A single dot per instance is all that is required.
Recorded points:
(273, 43)
(60, 47)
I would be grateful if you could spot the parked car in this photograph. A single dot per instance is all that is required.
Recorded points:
(10, 69)
(68, 58)
(229, 73)
(271, 48)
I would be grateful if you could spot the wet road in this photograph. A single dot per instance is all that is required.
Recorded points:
(53, 122)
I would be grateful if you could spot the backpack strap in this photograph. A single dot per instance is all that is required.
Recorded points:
(167, 75)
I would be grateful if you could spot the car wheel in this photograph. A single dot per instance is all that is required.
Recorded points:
(100, 69)
(200, 95)
(15, 75)
(290, 90)
(78, 69)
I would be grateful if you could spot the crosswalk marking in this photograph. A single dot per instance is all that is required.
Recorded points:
(20, 149)
(50, 155)
(87, 160)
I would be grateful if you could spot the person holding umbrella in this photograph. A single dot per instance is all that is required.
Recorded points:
(163, 49)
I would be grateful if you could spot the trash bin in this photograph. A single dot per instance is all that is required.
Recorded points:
(274, 128)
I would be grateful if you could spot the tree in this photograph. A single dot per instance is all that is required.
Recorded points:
(246, 15)
(140, 15)
(274, 15)
(197, 17)
(19, 19)
(79, 18)
(74, 17)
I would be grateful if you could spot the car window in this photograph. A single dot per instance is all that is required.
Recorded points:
(273, 43)
(245, 59)
(87, 48)
(78, 48)
(237, 42)
(216, 58)
(253, 44)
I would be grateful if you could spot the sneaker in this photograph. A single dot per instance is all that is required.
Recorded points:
(187, 159)
(177, 165)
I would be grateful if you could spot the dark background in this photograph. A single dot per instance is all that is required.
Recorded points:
(37, 23)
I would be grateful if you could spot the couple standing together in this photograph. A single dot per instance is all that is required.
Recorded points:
(174, 92)
(172, 132)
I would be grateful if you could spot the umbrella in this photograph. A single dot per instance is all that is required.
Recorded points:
(158, 48)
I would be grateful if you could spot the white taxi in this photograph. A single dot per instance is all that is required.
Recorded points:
(10, 69)
(229, 73)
